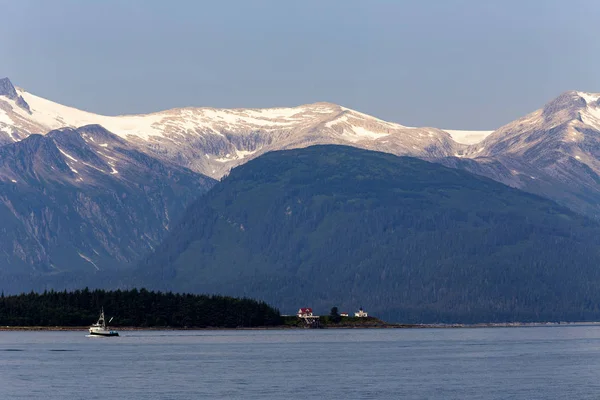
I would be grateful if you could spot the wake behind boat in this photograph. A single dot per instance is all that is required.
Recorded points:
(100, 328)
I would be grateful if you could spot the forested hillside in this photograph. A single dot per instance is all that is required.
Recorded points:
(409, 240)
(134, 308)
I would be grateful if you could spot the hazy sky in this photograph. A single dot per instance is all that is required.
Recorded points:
(463, 64)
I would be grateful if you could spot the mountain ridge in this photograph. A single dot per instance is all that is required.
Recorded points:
(212, 141)
(553, 151)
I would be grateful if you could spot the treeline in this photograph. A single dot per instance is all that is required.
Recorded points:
(136, 308)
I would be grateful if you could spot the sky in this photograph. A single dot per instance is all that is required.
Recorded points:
(453, 64)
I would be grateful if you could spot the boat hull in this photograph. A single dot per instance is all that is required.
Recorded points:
(107, 334)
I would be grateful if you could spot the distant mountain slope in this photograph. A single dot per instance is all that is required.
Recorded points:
(554, 152)
(560, 123)
(84, 200)
(407, 239)
(212, 141)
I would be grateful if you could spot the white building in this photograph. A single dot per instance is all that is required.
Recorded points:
(361, 313)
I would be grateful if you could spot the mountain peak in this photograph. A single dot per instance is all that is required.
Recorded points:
(572, 100)
(573, 106)
(8, 89)
(567, 103)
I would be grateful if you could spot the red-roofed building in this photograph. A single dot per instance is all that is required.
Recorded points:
(305, 312)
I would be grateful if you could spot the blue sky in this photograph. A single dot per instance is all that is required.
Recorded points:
(462, 64)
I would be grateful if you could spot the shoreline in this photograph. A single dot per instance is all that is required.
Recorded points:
(282, 327)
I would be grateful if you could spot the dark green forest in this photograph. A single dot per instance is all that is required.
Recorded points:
(411, 241)
(134, 308)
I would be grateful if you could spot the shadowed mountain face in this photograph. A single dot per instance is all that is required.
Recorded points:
(410, 240)
(84, 200)
(8, 90)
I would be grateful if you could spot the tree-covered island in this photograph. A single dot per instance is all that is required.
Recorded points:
(135, 308)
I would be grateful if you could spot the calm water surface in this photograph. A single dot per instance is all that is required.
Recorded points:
(485, 363)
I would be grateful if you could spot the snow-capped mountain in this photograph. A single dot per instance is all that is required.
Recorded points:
(85, 200)
(212, 141)
(554, 152)
(562, 123)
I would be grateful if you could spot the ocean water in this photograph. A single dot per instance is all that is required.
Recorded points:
(560, 362)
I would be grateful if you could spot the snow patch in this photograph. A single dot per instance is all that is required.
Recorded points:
(89, 260)
(5, 118)
(72, 169)
(107, 156)
(96, 168)
(467, 137)
(238, 155)
(243, 153)
(591, 116)
(589, 97)
(366, 133)
(356, 133)
(64, 153)
(9, 131)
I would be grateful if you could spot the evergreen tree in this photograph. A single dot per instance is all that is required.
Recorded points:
(334, 315)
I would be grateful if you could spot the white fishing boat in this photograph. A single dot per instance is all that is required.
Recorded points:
(100, 328)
